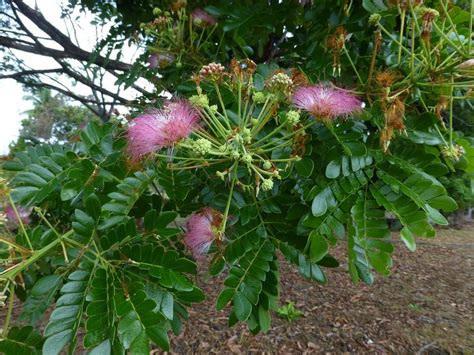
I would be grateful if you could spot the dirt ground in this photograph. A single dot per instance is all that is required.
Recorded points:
(425, 307)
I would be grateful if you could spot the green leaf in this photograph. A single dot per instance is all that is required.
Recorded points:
(19, 341)
(64, 322)
(319, 247)
(374, 6)
(305, 167)
(264, 319)
(242, 306)
(319, 205)
(333, 169)
(408, 239)
(217, 266)
(93, 206)
(224, 297)
(40, 298)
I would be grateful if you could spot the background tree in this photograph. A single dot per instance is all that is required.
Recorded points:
(26, 30)
(52, 119)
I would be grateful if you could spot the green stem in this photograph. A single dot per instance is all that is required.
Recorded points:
(22, 227)
(285, 138)
(229, 200)
(219, 96)
(352, 64)
(446, 12)
(396, 41)
(470, 28)
(10, 309)
(11, 273)
(447, 39)
(330, 127)
(451, 114)
(402, 29)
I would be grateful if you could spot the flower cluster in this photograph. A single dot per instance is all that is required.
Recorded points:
(12, 219)
(326, 103)
(163, 128)
(201, 231)
(202, 18)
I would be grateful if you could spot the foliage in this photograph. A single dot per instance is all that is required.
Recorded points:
(51, 119)
(114, 212)
(289, 312)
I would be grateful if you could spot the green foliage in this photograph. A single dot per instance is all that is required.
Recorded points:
(289, 312)
(110, 237)
(23, 340)
(52, 119)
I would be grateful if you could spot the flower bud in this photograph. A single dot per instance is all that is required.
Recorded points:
(267, 184)
(247, 158)
(267, 165)
(202, 146)
(293, 117)
(374, 19)
(234, 154)
(259, 97)
(199, 100)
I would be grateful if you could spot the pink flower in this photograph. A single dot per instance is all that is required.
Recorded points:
(326, 103)
(157, 129)
(23, 213)
(202, 18)
(160, 60)
(200, 231)
(153, 61)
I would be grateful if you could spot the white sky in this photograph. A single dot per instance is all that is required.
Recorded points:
(12, 105)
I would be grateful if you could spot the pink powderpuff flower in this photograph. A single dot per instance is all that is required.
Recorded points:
(200, 231)
(153, 61)
(180, 119)
(23, 213)
(202, 18)
(157, 129)
(144, 135)
(160, 60)
(326, 103)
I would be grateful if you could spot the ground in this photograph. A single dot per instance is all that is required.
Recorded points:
(425, 306)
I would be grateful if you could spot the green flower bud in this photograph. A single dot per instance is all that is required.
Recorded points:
(254, 121)
(453, 152)
(247, 158)
(234, 154)
(267, 165)
(246, 134)
(202, 146)
(199, 100)
(156, 11)
(374, 19)
(293, 117)
(259, 97)
(221, 174)
(213, 108)
(267, 184)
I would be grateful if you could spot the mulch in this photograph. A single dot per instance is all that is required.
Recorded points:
(426, 306)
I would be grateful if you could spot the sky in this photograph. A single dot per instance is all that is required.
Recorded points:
(13, 105)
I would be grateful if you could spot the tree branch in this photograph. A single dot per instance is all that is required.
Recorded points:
(70, 49)
(90, 83)
(23, 73)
